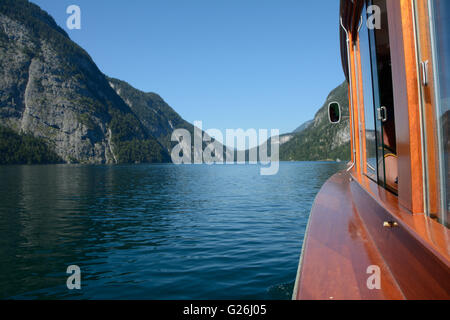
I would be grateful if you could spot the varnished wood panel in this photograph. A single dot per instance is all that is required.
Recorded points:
(428, 107)
(346, 235)
(338, 250)
(432, 235)
(360, 111)
(418, 271)
(355, 126)
(406, 103)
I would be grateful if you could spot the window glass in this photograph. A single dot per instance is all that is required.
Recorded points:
(381, 146)
(440, 20)
(384, 100)
(369, 109)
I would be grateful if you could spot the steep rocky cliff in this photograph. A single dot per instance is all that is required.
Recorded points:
(51, 89)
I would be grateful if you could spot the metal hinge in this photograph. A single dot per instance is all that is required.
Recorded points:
(382, 114)
(424, 68)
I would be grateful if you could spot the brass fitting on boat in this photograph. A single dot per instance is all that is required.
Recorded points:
(390, 224)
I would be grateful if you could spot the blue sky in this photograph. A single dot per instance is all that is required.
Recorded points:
(265, 64)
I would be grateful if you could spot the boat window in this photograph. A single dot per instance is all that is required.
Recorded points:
(440, 21)
(369, 109)
(379, 96)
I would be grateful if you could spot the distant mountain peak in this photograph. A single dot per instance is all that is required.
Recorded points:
(304, 126)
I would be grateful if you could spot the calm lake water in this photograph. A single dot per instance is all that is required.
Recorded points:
(155, 231)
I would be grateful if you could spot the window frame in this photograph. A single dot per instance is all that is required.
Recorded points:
(380, 175)
(434, 191)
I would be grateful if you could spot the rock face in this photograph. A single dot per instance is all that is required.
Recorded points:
(50, 88)
(317, 139)
(153, 112)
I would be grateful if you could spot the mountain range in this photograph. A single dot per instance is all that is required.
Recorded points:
(56, 106)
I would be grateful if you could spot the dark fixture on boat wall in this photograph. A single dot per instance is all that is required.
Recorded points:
(335, 113)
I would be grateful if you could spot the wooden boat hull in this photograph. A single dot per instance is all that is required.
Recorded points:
(347, 235)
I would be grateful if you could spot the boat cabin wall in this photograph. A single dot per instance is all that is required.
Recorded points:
(406, 142)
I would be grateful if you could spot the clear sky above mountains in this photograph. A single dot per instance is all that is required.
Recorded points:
(265, 64)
